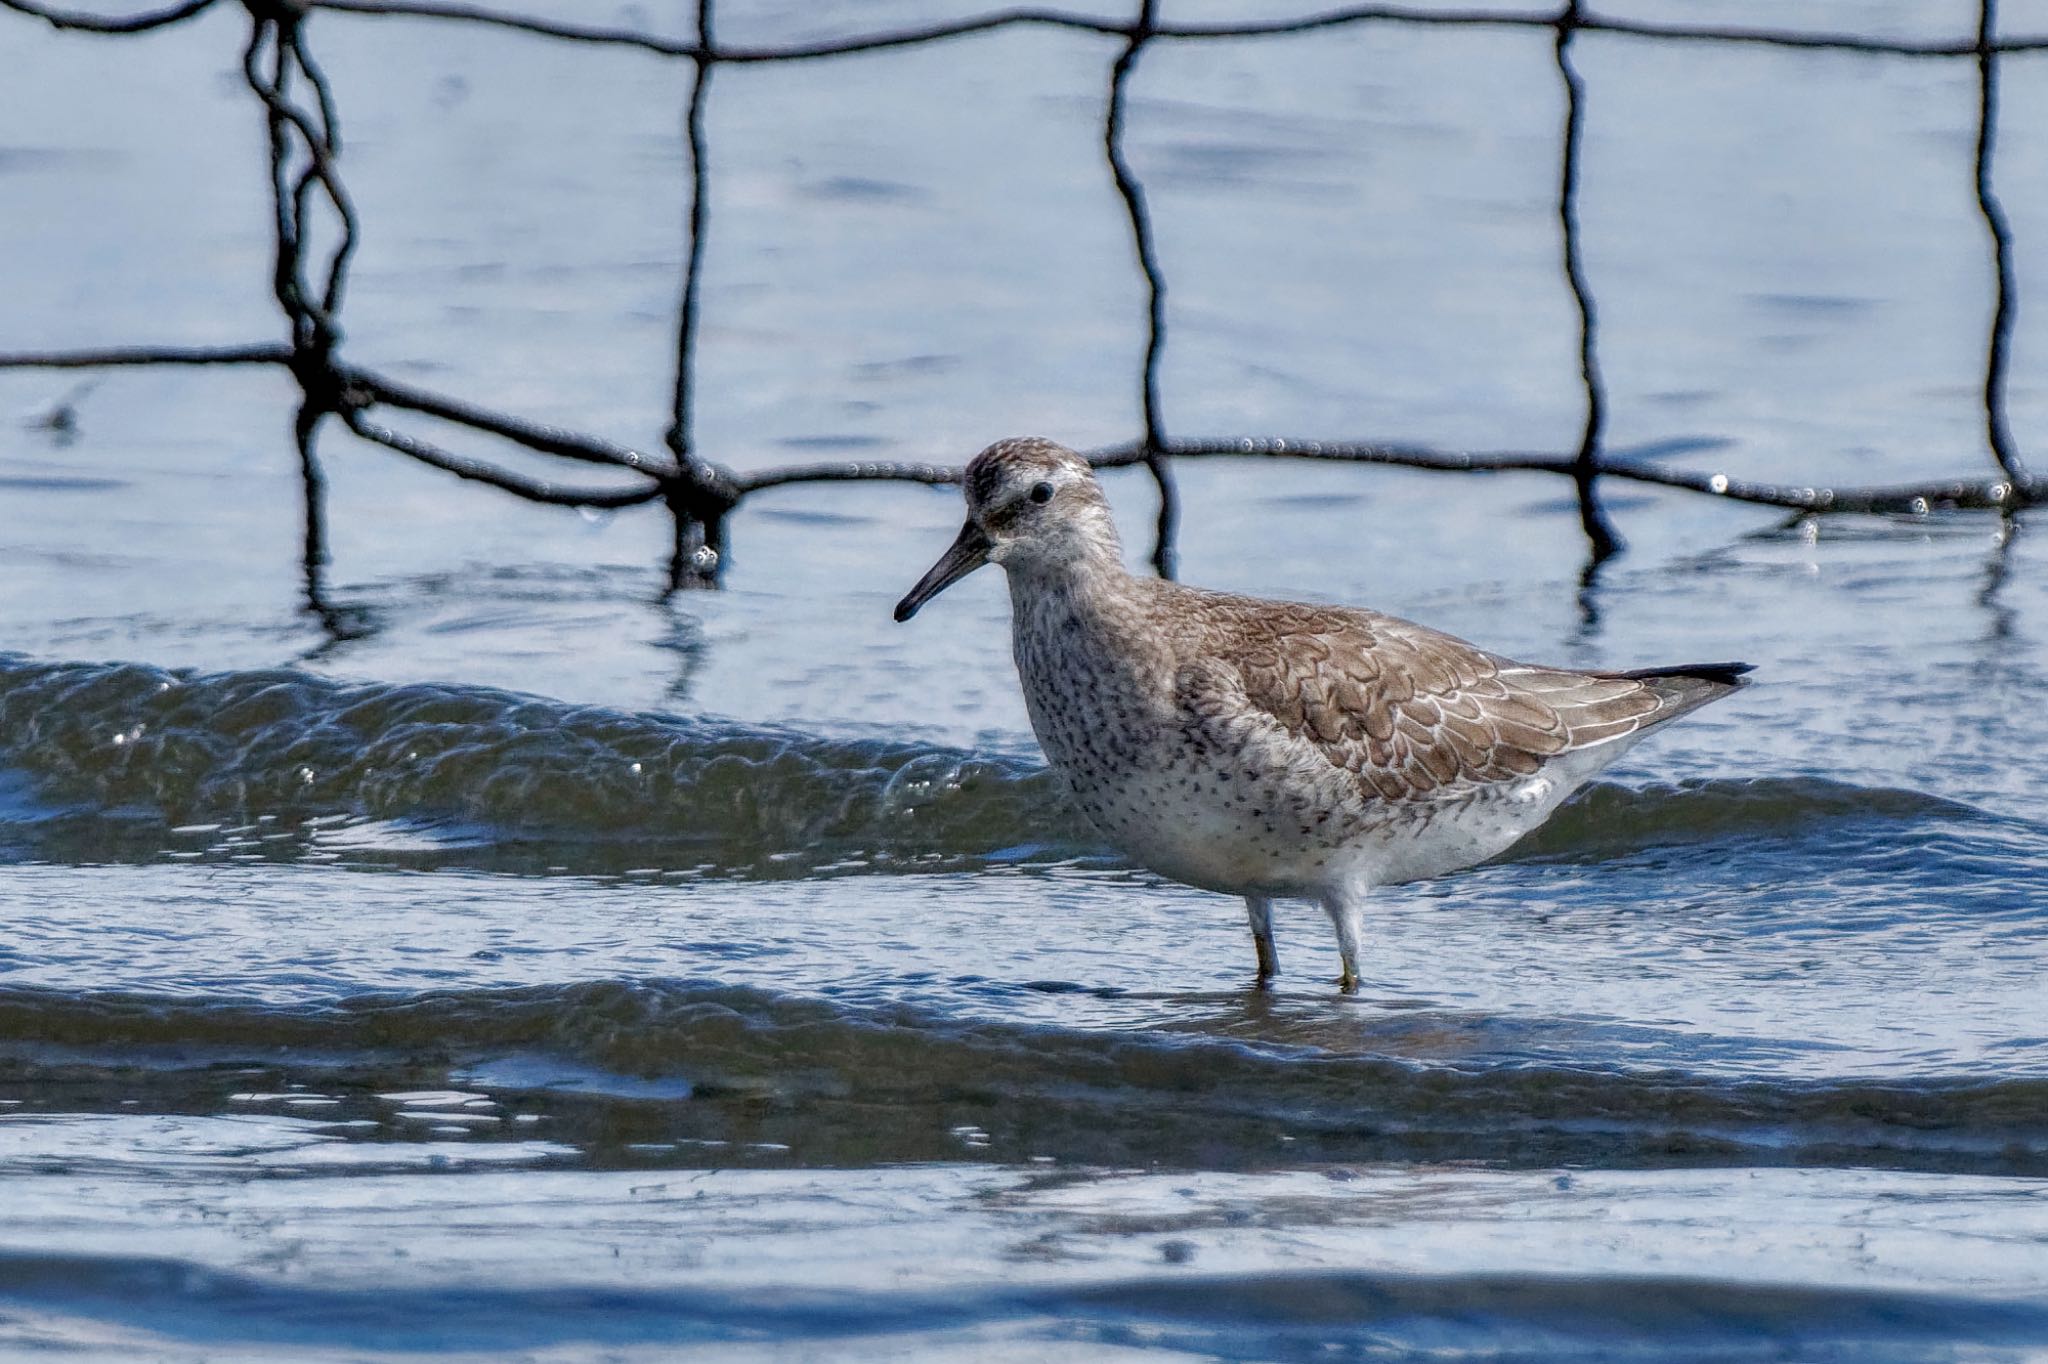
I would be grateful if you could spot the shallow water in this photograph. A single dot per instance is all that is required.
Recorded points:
(541, 967)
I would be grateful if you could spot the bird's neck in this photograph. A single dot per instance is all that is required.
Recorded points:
(1084, 583)
(1077, 634)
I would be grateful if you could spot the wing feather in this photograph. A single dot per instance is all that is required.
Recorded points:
(1408, 713)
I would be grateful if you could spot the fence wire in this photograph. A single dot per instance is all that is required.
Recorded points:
(311, 201)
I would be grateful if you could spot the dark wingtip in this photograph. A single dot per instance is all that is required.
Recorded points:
(1727, 674)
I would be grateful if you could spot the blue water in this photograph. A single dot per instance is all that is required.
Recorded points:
(542, 967)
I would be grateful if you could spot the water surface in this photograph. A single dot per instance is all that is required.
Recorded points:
(542, 966)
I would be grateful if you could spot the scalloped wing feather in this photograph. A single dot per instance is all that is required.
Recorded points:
(1409, 713)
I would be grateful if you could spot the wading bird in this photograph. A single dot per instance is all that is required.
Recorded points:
(1272, 749)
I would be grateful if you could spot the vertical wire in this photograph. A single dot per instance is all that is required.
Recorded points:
(1133, 193)
(699, 533)
(1600, 533)
(1997, 430)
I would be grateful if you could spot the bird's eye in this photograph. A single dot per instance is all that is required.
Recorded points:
(1041, 492)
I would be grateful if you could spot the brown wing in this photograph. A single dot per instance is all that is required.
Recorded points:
(1410, 713)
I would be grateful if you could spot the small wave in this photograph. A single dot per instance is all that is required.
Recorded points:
(1245, 1316)
(1554, 1316)
(1607, 820)
(212, 758)
(129, 761)
(836, 1083)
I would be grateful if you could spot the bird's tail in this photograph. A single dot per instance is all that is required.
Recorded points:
(1688, 686)
(1726, 674)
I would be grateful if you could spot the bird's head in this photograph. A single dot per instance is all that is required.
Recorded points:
(1032, 506)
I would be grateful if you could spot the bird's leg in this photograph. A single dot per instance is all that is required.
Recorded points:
(1346, 909)
(1261, 912)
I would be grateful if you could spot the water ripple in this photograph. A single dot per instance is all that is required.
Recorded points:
(119, 762)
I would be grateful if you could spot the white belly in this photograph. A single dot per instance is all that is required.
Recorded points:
(1302, 833)
(1256, 849)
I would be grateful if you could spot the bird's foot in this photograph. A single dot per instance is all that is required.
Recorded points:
(1348, 982)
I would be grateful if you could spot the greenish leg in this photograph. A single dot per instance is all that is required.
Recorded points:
(1347, 914)
(1261, 914)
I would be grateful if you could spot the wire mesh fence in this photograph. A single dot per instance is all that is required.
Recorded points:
(316, 227)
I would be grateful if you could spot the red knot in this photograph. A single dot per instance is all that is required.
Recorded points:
(1273, 749)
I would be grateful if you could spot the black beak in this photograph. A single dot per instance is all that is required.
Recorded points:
(969, 552)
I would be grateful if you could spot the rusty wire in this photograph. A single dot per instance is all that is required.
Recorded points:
(310, 201)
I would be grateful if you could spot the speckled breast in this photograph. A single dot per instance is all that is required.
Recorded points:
(1179, 799)
(1106, 717)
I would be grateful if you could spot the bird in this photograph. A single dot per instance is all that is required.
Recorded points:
(1276, 749)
